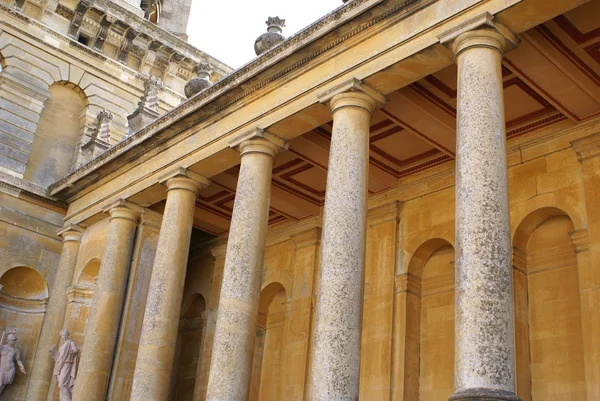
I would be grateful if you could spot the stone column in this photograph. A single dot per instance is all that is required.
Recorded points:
(484, 367)
(154, 361)
(43, 364)
(105, 314)
(338, 317)
(231, 364)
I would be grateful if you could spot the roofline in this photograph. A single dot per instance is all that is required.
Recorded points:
(281, 52)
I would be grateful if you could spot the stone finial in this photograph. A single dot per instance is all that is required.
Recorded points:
(147, 110)
(99, 140)
(102, 129)
(149, 99)
(201, 82)
(272, 37)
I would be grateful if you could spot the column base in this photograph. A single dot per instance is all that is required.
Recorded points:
(484, 394)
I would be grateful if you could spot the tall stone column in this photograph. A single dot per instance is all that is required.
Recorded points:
(231, 364)
(484, 347)
(43, 364)
(103, 323)
(156, 351)
(338, 317)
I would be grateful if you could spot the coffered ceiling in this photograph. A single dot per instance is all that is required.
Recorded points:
(551, 79)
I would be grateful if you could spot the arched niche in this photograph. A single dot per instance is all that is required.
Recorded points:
(23, 301)
(89, 274)
(189, 346)
(79, 299)
(57, 136)
(267, 378)
(549, 344)
(24, 282)
(429, 374)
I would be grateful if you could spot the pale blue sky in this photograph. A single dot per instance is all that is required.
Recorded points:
(227, 29)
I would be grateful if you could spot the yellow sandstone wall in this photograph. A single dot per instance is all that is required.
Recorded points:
(408, 318)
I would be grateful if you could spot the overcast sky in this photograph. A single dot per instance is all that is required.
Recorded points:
(227, 29)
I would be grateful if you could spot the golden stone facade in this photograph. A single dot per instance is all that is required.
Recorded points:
(399, 202)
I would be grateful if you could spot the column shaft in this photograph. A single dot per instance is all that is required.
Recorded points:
(231, 364)
(338, 318)
(484, 309)
(43, 364)
(103, 323)
(163, 306)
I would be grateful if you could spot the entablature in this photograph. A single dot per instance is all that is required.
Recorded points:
(386, 45)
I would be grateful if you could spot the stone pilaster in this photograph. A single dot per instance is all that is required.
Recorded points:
(163, 306)
(218, 253)
(587, 247)
(338, 318)
(43, 364)
(105, 314)
(484, 302)
(299, 324)
(230, 369)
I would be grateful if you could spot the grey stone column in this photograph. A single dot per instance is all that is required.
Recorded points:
(231, 363)
(43, 364)
(103, 323)
(154, 362)
(338, 316)
(484, 365)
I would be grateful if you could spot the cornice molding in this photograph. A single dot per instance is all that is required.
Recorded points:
(587, 147)
(260, 64)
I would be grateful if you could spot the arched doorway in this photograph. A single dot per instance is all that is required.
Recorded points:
(432, 314)
(548, 326)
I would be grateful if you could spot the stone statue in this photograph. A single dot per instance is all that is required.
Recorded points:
(9, 356)
(65, 365)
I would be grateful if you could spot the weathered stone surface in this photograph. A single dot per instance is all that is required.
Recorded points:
(231, 363)
(336, 350)
(163, 305)
(103, 323)
(485, 352)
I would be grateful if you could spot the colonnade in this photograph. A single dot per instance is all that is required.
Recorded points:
(484, 322)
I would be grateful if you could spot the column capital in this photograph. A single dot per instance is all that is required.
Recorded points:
(122, 209)
(480, 31)
(182, 178)
(587, 147)
(219, 251)
(71, 232)
(307, 238)
(384, 213)
(257, 140)
(352, 93)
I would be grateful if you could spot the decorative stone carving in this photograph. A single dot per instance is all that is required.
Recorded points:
(201, 82)
(147, 110)
(80, 10)
(10, 359)
(272, 37)
(65, 365)
(99, 138)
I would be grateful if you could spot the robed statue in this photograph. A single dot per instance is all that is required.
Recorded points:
(65, 365)
(10, 358)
